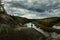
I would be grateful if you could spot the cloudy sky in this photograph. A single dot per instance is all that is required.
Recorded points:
(33, 9)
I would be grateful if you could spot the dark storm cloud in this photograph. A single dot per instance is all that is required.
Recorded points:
(35, 6)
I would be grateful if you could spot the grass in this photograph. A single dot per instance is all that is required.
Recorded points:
(20, 28)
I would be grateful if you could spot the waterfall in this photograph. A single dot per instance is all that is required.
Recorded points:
(30, 25)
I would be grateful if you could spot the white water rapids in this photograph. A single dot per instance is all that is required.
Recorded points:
(46, 34)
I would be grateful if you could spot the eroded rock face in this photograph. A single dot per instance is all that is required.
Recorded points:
(6, 19)
(56, 27)
(8, 23)
(12, 21)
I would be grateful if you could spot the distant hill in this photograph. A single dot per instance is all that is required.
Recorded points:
(47, 23)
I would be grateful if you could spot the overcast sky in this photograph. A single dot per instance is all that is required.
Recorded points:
(33, 9)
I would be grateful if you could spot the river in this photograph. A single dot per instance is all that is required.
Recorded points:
(54, 35)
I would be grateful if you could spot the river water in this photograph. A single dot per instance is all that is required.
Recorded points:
(46, 34)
